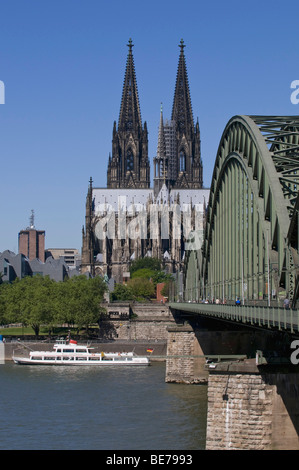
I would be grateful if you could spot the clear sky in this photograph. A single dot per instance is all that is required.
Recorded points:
(63, 62)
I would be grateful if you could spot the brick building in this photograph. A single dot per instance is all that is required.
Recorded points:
(32, 242)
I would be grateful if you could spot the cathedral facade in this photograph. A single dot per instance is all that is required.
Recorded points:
(128, 219)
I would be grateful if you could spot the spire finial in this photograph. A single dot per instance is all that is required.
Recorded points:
(182, 45)
(130, 45)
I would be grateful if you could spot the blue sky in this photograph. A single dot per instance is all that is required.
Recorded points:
(63, 64)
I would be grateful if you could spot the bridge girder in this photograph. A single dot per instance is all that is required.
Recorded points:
(250, 247)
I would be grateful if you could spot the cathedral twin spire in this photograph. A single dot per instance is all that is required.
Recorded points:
(130, 116)
(129, 165)
(182, 109)
(187, 159)
(178, 164)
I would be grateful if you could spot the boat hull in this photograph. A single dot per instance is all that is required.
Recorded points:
(72, 354)
(67, 362)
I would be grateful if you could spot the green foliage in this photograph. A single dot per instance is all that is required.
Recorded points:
(35, 301)
(149, 268)
(3, 303)
(80, 300)
(166, 289)
(161, 276)
(122, 292)
(143, 288)
(145, 273)
(137, 289)
(30, 301)
(145, 263)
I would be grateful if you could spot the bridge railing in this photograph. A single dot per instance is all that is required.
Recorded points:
(263, 316)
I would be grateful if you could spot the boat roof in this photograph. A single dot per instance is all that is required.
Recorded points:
(60, 343)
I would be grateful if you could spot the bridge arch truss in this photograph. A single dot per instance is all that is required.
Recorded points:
(250, 246)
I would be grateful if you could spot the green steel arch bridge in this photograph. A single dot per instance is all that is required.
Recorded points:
(249, 250)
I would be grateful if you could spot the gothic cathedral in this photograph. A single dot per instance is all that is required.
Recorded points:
(129, 219)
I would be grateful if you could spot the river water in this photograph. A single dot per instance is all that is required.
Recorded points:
(90, 408)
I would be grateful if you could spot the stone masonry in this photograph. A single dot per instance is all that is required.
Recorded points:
(139, 322)
(184, 364)
(247, 412)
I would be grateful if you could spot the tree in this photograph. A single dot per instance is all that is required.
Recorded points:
(31, 301)
(145, 263)
(35, 301)
(3, 303)
(15, 295)
(156, 276)
(142, 288)
(145, 273)
(122, 292)
(80, 300)
(167, 287)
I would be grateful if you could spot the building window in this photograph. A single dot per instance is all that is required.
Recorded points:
(130, 160)
(182, 161)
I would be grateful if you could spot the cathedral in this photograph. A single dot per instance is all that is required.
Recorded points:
(129, 219)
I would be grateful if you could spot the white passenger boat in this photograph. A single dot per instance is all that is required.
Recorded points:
(71, 353)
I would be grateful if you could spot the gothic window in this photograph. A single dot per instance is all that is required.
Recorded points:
(182, 161)
(130, 160)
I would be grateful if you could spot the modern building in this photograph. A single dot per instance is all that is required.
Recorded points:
(14, 266)
(70, 256)
(128, 219)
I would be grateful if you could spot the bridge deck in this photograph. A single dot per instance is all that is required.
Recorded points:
(259, 316)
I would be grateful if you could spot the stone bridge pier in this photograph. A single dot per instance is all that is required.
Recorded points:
(252, 403)
(252, 407)
(185, 362)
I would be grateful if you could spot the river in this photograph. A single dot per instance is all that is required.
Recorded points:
(90, 408)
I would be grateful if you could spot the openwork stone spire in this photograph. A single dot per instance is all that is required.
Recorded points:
(186, 161)
(182, 110)
(129, 165)
(161, 160)
(130, 116)
(161, 148)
